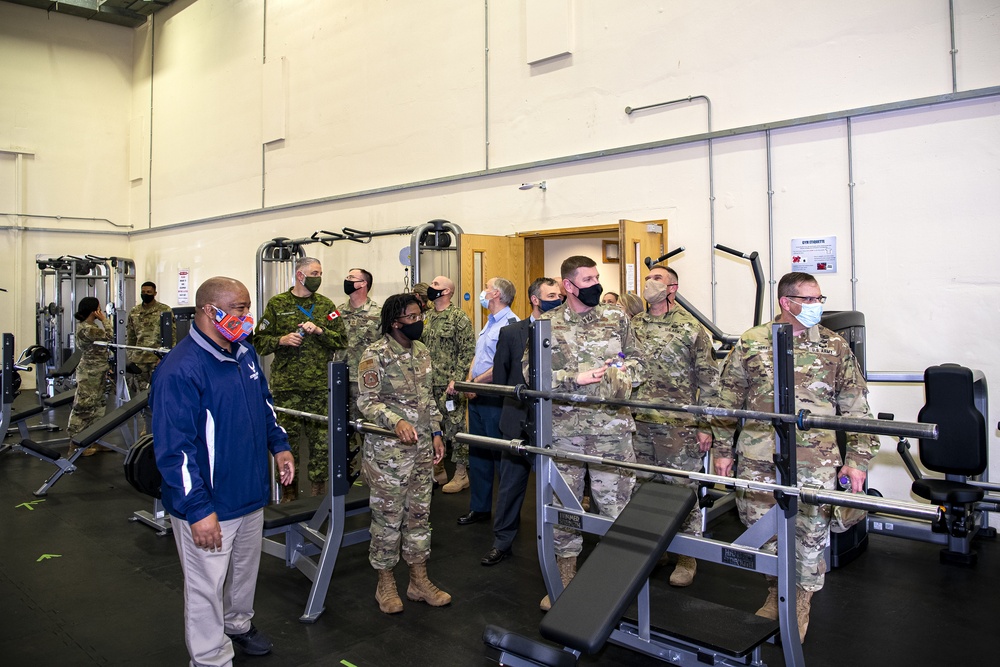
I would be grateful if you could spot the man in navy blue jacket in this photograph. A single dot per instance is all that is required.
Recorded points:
(213, 426)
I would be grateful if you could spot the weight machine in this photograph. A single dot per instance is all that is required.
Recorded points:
(431, 247)
(62, 282)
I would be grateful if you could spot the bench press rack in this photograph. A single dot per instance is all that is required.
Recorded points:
(596, 602)
(305, 546)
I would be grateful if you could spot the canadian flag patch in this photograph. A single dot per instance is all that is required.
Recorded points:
(332, 316)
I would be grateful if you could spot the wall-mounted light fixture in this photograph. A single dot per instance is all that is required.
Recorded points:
(527, 186)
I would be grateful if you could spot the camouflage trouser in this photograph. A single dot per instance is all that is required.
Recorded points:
(401, 479)
(670, 446)
(138, 382)
(313, 401)
(452, 422)
(89, 405)
(357, 439)
(610, 488)
(812, 523)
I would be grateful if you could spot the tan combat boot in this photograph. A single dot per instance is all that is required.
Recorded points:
(386, 595)
(289, 493)
(770, 608)
(683, 574)
(422, 590)
(803, 601)
(440, 474)
(567, 570)
(319, 488)
(459, 481)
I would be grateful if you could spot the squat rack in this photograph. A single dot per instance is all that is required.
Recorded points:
(746, 551)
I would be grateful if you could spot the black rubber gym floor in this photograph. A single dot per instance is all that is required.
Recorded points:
(110, 591)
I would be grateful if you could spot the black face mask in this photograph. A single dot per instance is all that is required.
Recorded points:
(147, 298)
(589, 296)
(349, 287)
(433, 293)
(546, 306)
(413, 330)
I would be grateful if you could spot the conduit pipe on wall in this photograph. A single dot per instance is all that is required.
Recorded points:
(850, 191)
(770, 221)
(60, 217)
(954, 49)
(711, 177)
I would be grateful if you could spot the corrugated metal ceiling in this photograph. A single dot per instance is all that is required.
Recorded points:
(129, 13)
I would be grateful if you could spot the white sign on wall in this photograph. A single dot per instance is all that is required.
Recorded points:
(183, 287)
(817, 254)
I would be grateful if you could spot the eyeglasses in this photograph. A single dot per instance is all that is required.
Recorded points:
(808, 299)
(413, 317)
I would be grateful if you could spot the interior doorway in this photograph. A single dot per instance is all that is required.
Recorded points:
(619, 249)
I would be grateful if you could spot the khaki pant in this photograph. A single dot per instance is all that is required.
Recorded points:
(218, 587)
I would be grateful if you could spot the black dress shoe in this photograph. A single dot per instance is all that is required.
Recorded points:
(473, 517)
(494, 556)
(253, 641)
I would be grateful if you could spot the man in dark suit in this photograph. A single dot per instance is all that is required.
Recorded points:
(514, 469)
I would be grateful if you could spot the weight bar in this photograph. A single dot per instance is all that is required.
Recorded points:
(803, 420)
(158, 350)
(359, 425)
(807, 494)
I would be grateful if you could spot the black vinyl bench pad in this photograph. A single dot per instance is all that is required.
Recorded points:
(521, 646)
(111, 421)
(714, 626)
(303, 509)
(592, 605)
(27, 413)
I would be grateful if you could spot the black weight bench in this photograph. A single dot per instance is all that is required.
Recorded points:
(20, 418)
(60, 399)
(590, 608)
(89, 436)
(305, 546)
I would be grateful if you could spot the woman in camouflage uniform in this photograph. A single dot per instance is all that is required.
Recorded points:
(395, 392)
(92, 371)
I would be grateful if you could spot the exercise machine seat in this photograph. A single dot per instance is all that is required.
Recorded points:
(593, 603)
(947, 492)
(961, 447)
(529, 649)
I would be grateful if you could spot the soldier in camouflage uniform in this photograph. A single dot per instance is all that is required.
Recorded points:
(361, 317)
(394, 392)
(828, 381)
(594, 353)
(143, 329)
(679, 368)
(92, 382)
(301, 328)
(420, 291)
(449, 337)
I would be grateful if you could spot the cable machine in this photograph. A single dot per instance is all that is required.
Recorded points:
(432, 248)
(62, 282)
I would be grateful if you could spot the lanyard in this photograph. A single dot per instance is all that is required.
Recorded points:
(307, 313)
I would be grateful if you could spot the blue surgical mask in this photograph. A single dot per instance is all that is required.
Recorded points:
(810, 314)
(483, 301)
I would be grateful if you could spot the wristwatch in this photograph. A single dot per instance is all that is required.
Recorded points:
(437, 433)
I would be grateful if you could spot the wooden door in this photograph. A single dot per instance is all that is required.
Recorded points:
(636, 242)
(482, 257)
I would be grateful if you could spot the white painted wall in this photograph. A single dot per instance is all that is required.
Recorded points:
(385, 94)
(556, 250)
